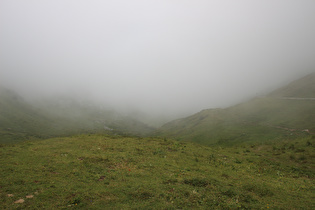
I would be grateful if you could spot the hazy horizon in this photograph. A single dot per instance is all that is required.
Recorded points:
(158, 57)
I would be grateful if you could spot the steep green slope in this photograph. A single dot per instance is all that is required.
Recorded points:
(113, 172)
(270, 117)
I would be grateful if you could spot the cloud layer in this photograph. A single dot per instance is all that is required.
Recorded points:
(157, 56)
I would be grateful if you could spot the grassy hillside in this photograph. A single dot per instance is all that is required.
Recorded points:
(113, 172)
(19, 120)
(303, 88)
(257, 120)
(272, 117)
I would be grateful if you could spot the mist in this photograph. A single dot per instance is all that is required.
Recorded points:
(164, 58)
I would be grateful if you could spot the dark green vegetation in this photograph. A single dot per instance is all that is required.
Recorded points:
(113, 172)
(288, 112)
(19, 120)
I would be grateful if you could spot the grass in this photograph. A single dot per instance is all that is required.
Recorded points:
(257, 120)
(115, 172)
(274, 116)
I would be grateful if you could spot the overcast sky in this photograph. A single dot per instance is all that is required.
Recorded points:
(169, 56)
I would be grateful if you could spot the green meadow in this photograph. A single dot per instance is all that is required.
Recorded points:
(119, 172)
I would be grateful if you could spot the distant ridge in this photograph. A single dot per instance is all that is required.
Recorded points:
(287, 112)
(20, 120)
(301, 88)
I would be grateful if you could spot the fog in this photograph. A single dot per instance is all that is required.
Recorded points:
(163, 57)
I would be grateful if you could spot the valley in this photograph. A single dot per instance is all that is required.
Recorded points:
(258, 154)
(157, 104)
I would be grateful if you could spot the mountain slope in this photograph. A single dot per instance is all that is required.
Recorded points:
(284, 113)
(19, 120)
(302, 88)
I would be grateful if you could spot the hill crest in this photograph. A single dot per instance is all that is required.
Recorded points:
(300, 88)
(260, 119)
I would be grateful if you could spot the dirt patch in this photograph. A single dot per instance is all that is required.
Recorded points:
(20, 201)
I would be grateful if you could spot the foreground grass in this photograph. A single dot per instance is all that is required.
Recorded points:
(100, 171)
